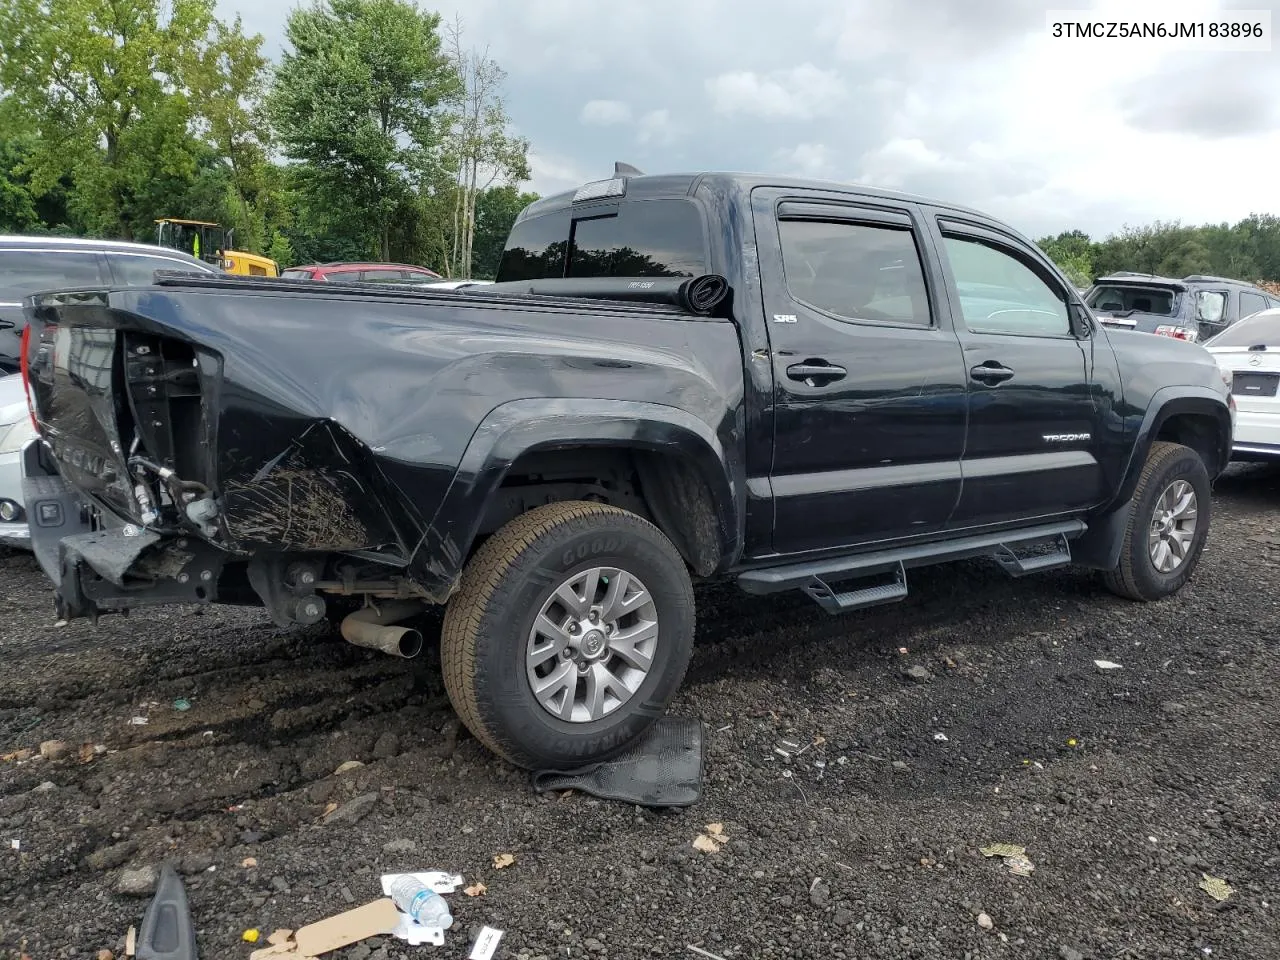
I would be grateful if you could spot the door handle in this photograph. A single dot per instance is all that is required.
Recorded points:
(991, 373)
(816, 374)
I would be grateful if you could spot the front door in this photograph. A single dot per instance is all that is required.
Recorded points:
(869, 386)
(1037, 424)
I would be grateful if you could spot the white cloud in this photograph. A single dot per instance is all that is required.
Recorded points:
(972, 103)
(805, 160)
(799, 93)
(656, 127)
(900, 160)
(553, 174)
(605, 112)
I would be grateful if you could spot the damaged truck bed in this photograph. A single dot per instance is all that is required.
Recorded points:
(801, 385)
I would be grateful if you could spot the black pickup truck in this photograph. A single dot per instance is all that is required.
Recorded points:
(800, 385)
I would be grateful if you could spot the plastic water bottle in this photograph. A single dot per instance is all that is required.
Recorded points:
(422, 903)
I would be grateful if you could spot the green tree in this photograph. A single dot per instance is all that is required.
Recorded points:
(104, 83)
(496, 211)
(228, 81)
(1072, 251)
(354, 105)
(479, 148)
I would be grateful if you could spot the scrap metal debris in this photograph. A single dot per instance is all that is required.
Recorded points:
(1216, 887)
(1014, 857)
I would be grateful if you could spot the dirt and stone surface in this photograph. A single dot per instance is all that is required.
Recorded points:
(969, 715)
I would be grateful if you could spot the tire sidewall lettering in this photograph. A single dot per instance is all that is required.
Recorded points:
(604, 544)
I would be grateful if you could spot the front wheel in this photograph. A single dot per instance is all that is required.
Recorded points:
(1168, 524)
(569, 635)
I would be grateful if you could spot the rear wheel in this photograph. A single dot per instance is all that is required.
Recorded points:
(1168, 524)
(569, 635)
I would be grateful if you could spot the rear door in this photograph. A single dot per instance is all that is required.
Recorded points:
(869, 403)
(1037, 422)
(35, 269)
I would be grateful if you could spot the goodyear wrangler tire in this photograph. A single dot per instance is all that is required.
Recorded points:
(1168, 524)
(569, 634)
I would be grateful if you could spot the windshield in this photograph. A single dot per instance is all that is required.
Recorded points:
(1260, 329)
(1114, 298)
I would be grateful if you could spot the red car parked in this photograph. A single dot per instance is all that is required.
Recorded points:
(359, 272)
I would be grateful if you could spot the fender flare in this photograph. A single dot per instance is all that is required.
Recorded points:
(1101, 545)
(518, 427)
(1170, 402)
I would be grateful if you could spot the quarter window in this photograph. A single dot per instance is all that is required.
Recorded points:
(1251, 303)
(1211, 306)
(855, 271)
(1001, 294)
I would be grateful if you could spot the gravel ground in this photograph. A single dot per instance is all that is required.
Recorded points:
(1124, 786)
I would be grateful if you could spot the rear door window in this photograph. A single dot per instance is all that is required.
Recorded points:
(855, 271)
(24, 272)
(138, 270)
(378, 276)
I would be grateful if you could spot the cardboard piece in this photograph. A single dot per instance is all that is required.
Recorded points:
(288, 949)
(344, 929)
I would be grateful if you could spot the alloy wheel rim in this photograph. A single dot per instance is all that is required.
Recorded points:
(1173, 526)
(592, 644)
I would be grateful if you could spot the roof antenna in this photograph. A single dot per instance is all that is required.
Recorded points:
(621, 169)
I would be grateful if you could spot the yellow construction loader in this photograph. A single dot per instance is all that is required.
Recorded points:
(210, 243)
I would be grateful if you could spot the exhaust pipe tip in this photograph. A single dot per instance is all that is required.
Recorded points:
(375, 630)
(410, 644)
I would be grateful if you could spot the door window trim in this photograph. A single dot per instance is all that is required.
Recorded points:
(1079, 328)
(823, 210)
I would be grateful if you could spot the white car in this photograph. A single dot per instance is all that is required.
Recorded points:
(1250, 350)
(16, 431)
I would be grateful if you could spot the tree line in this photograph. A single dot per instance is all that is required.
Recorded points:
(379, 134)
(1248, 250)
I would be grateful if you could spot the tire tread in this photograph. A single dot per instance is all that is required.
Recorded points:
(1123, 580)
(489, 566)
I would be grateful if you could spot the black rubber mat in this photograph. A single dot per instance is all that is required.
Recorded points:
(662, 769)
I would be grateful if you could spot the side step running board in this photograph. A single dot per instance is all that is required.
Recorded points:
(872, 596)
(814, 577)
(1016, 565)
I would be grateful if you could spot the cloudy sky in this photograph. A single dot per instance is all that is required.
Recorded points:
(967, 100)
